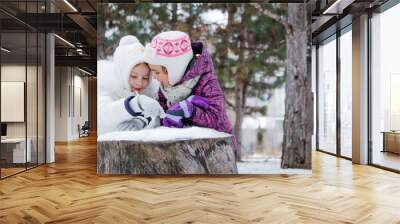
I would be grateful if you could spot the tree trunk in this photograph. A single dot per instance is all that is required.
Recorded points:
(174, 19)
(190, 20)
(240, 94)
(298, 123)
(198, 156)
(239, 107)
(100, 35)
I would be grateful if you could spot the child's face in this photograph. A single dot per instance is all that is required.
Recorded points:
(139, 78)
(160, 74)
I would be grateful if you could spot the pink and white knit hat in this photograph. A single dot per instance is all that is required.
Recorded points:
(172, 50)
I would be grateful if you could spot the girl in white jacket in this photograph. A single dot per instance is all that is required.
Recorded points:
(126, 91)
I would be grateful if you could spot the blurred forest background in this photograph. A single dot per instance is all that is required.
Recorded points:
(249, 54)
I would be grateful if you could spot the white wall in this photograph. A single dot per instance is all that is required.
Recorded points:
(79, 117)
(71, 87)
(12, 73)
(17, 73)
(61, 104)
(33, 126)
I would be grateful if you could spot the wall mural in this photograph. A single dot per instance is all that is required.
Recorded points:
(203, 89)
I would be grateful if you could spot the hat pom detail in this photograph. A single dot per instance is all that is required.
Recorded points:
(128, 40)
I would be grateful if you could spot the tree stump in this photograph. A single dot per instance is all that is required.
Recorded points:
(195, 156)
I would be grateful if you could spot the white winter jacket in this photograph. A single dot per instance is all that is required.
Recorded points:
(113, 88)
(112, 115)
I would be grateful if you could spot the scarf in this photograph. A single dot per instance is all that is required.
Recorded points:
(175, 94)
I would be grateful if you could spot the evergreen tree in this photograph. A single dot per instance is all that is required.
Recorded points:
(248, 51)
(298, 122)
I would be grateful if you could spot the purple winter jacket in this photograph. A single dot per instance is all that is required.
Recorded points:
(215, 116)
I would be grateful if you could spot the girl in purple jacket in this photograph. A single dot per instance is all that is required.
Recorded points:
(190, 92)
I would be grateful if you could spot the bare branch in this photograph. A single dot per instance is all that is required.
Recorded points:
(228, 89)
(281, 19)
(231, 105)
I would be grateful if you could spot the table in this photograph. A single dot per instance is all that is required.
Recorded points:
(13, 150)
(391, 141)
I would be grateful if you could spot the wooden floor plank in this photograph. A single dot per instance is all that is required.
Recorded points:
(70, 191)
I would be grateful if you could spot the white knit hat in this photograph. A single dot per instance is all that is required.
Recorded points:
(128, 54)
(172, 50)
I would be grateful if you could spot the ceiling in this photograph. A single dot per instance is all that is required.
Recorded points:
(337, 14)
(74, 22)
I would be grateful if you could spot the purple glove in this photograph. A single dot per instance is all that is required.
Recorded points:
(186, 107)
(172, 121)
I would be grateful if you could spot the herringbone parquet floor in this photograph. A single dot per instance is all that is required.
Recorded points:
(69, 191)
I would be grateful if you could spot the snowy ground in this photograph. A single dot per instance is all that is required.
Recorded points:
(272, 166)
(163, 134)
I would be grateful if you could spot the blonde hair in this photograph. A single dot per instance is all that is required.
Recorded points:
(164, 69)
(141, 63)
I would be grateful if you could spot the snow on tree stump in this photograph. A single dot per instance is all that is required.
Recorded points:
(180, 155)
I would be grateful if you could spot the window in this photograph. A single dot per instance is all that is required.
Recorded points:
(22, 88)
(346, 93)
(327, 96)
(385, 88)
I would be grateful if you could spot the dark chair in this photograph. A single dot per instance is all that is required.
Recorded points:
(84, 130)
